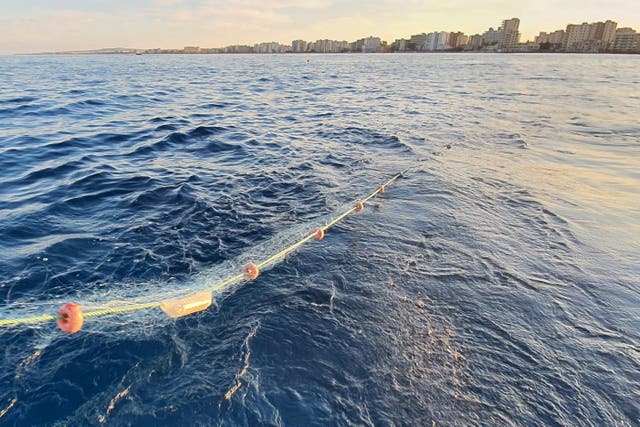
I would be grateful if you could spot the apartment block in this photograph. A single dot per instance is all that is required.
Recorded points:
(585, 37)
(299, 46)
(552, 38)
(491, 37)
(400, 45)
(419, 42)
(510, 35)
(458, 40)
(271, 47)
(371, 44)
(475, 42)
(626, 40)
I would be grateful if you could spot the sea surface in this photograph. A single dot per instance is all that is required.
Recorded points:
(497, 283)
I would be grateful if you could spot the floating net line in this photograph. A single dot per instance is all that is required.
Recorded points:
(196, 294)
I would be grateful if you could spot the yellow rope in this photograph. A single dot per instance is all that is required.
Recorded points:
(228, 282)
(285, 251)
(338, 219)
(122, 309)
(34, 319)
(217, 287)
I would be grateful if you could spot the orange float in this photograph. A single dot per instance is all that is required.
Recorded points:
(380, 188)
(251, 271)
(318, 233)
(71, 318)
(358, 206)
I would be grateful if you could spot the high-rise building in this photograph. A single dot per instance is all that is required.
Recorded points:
(575, 34)
(458, 40)
(238, 49)
(551, 38)
(271, 47)
(556, 37)
(298, 46)
(342, 46)
(371, 44)
(400, 45)
(627, 40)
(419, 42)
(541, 38)
(491, 37)
(442, 40)
(324, 46)
(328, 46)
(510, 35)
(605, 31)
(431, 42)
(437, 41)
(475, 42)
(356, 46)
(585, 37)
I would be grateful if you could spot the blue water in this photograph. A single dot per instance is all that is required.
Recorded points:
(498, 283)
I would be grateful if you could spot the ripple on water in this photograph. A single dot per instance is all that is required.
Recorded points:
(486, 287)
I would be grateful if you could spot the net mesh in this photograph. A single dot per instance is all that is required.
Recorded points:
(138, 301)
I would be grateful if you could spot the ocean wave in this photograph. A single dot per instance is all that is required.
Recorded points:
(496, 282)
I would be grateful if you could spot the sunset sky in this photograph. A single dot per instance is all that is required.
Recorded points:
(39, 25)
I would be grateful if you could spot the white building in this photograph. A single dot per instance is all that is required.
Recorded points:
(458, 40)
(328, 46)
(552, 38)
(298, 46)
(419, 41)
(431, 42)
(341, 46)
(585, 37)
(323, 46)
(510, 35)
(442, 42)
(238, 49)
(491, 37)
(475, 42)
(371, 44)
(605, 31)
(401, 45)
(575, 34)
(627, 40)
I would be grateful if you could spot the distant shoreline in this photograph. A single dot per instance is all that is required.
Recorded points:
(438, 52)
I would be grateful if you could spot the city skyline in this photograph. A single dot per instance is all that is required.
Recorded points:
(33, 26)
(594, 37)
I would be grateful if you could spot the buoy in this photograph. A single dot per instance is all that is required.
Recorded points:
(251, 271)
(190, 304)
(318, 233)
(71, 318)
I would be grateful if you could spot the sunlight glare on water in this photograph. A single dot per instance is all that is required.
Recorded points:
(497, 283)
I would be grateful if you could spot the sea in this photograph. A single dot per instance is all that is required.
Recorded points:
(496, 283)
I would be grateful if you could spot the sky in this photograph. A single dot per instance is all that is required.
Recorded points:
(28, 26)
